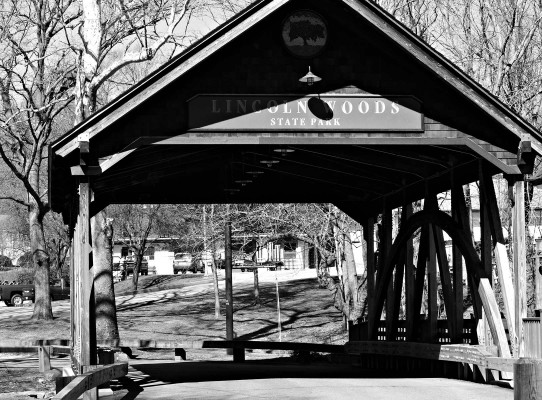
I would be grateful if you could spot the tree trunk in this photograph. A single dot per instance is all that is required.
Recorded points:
(256, 288)
(137, 267)
(351, 280)
(215, 285)
(102, 256)
(42, 306)
(215, 269)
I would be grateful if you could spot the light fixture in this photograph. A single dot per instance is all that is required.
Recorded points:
(283, 151)
(243, 182)
(255, 174)
(269, 163)
(310, 78)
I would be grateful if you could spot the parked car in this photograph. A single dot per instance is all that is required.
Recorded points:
(124, 266)
(14, 294)
(244, 264)
(185, 262)
(182, 262)
(119, 272)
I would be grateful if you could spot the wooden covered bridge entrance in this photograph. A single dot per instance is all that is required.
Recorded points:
(391, 122)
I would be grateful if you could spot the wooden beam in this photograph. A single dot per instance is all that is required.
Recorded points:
(494, 317)
(490, 201)
(398, 290)
(520, 263)
(410, 277)
(446, 282)
(507, 290)
(485, 229)
(457, 262)
(460, 206)
(432, 286)
(386, 242)
(370, 263)
(419, 283)
(464, 242)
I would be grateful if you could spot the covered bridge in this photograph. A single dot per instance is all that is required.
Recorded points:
(390, 122)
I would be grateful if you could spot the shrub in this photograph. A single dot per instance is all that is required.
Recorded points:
(5, 263)
(25, 260)
(25, 276)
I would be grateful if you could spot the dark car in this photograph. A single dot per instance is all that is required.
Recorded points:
(14, 294)
(123, 267)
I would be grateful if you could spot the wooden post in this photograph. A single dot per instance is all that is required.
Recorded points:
(528, 379)
(44, 355)
(538, 279)
(74, 303)
(87, 327)
(229, 285)
(520, 263)
(370, 263)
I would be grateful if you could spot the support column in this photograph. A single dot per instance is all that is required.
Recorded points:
(520, 263)
(229, 285)
(83, 285)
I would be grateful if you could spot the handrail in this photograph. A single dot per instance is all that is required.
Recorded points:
(90, 380)
(455, 353)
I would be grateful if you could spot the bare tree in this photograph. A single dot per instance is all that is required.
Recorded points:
(36, 74)
(134, 225)
(111, 38)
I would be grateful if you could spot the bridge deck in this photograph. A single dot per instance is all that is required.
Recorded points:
(217, 380)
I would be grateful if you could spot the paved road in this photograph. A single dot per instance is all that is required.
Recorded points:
(214, 381)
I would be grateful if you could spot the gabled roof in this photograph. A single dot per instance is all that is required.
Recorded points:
(218, 38)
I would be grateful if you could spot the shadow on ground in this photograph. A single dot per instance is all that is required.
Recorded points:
(166, 373)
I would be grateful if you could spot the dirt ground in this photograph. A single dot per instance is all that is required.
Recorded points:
(185, 312)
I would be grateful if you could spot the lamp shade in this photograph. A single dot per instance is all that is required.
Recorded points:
(310, 78)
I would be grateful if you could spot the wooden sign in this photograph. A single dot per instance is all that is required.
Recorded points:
(304, 113)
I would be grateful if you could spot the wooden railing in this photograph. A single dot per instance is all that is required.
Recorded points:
(95, 375)
(90, 381)
(481, 356)
(359, 332)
